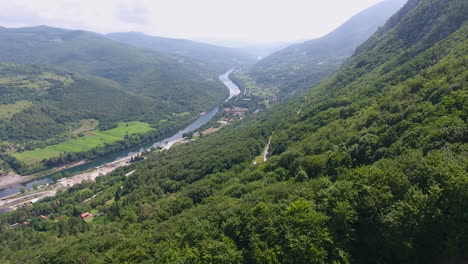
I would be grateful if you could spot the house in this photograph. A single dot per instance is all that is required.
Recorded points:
(235, 111)
(84, 215)
(43, 217)
(25, 223)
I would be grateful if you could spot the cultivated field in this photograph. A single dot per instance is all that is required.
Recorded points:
(8, 110)
(89, 141)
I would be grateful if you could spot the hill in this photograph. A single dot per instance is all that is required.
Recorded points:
(298, 67)
(53, 80)
(174, 79)
(58, 97)
(42, 106)
(219, 59)
(369, 167)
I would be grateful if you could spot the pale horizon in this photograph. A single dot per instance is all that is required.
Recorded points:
(243, 21)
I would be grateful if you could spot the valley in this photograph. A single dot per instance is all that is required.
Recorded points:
(10, 196)
(346, 148)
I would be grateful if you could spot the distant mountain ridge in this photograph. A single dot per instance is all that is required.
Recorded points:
(154, 74)
(298, 67)
(219, 57)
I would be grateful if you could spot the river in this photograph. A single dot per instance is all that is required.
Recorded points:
(202, 120)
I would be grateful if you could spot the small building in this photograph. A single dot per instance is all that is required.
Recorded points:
(43, 217)
(84, 215)
(235, 111)
(25, 223)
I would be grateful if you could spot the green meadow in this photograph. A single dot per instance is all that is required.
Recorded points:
(8, 110)
(87, 142)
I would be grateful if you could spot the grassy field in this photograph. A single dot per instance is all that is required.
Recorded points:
(7, 111)
(39, 82)
(85, 125)
(88, 141)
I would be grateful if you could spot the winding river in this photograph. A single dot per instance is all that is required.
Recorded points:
(202, 120)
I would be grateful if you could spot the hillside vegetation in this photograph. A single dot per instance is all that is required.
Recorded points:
(174, 80)
(370, 166)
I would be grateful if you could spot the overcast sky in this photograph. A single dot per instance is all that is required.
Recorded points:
(242, 20)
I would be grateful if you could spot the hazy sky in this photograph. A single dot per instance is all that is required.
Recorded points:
(245, 20)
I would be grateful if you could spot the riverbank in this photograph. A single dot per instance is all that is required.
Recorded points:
(12, 178)
(18, 200)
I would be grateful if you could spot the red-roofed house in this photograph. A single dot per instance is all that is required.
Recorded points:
(43, 217)
(84, 215)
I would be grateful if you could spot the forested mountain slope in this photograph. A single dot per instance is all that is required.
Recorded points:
(220, 59)
(173, 79)
(371, 166)
(296, 68)
(57, 98)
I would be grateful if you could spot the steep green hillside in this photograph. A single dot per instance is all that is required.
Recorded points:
(58, 98)
(296, 68)
(371, 166)
(176, 80)
(219, 59)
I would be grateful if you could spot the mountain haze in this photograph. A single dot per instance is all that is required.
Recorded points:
(220, 58)
(298, 67)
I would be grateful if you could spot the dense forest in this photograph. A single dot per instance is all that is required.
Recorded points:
(295, 69)
(370, 166)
